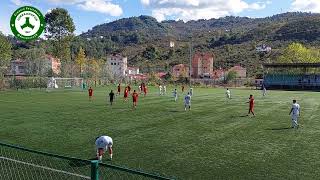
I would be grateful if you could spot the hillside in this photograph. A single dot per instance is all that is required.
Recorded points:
(232, 39)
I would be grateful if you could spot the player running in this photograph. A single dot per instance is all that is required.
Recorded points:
(119, 89)
(228, 94)
(103, 143)
(90, 90)
(175, 95)
(125, 94)
(111, 96)
(187, 101)
(134, 99)
(295, 113)
(251, 105)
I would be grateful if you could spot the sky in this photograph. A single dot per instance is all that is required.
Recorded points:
(89, 13)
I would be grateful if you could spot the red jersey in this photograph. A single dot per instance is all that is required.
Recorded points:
(126, 93)
(251, 102)
(90, 92)
(119, 89)
(135, 97)
(145, 90)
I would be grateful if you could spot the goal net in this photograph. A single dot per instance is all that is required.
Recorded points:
(65, 83)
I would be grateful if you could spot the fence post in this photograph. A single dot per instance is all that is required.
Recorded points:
(94, 170)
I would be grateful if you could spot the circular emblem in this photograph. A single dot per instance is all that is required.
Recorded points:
(27, 23)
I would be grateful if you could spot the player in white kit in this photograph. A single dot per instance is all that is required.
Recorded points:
(175, 94)
(228, 94)
(295, 113)
(160, 90)
(187, 101)
(103, 143)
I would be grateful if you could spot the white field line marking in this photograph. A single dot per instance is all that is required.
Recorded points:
(44, 167)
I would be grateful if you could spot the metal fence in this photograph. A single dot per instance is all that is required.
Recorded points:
(19, 163)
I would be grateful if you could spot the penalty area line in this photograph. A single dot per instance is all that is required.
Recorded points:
(44, 167)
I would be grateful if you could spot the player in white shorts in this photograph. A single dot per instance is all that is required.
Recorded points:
(228, 94)
(175, 94)
(295, 113)
(164, 90)
(103, 143)
(187, 101)
(160, 90)
(264, 91)
(191, 92)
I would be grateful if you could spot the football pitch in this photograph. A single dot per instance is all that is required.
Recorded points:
(215, 140)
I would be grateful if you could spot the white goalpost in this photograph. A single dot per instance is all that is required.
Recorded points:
(64, 83)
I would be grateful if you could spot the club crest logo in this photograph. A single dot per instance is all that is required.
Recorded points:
(27, 23)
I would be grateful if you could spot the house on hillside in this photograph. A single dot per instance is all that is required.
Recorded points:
(180, 70)
(132, 70)
(263, 48)
(241, 71)
(54, 64)
(118, 65)
(202, 65)
(19, 67)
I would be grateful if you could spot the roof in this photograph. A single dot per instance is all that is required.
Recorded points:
(237, 68)
(18, 61)
(133, 68)
(161, 74)
(279, 65)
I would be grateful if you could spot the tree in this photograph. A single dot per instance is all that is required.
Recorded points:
(35, 59)
(59, 24)
(231, 76)
(5, 54)
(81, 59)
(59, 30)
(297, 53)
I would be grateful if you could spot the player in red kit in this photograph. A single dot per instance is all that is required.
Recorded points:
(129, 89)
(145, 90)
(125, 94)
(251, 105)
(135, 99)
(90, 90)
(119, 90)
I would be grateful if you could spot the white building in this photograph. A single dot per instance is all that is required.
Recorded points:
(118, 65)
(263, 48)
(132, 70)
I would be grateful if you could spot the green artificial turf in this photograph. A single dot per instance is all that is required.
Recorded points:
(215, 140)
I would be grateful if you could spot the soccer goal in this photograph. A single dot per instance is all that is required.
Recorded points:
(64, 83)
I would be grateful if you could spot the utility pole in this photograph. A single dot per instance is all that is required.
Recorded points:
(190, 62)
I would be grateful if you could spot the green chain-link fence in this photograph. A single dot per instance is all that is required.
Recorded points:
(18, 163)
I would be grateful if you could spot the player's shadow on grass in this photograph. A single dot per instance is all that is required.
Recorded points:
(279, 129)
(173, 111)
(239, 116)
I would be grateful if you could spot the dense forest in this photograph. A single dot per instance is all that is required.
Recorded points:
(233, 40)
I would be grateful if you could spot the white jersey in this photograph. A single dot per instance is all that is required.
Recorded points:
(187, 99)
(295, 109)
(104, 142)
(228, 93)
(175, 93)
